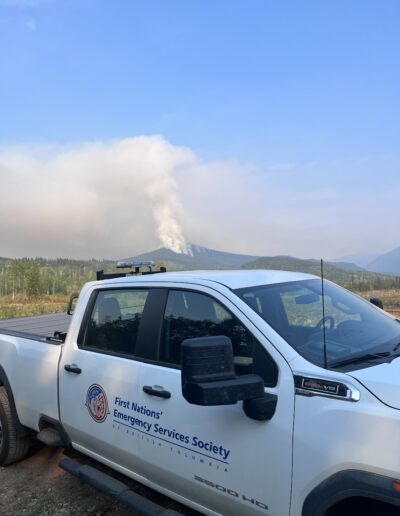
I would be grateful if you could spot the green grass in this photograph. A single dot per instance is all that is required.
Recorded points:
(390, 298)
(22, 307)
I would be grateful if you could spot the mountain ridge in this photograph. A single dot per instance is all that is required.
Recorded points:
(199, 257)
(387, 263)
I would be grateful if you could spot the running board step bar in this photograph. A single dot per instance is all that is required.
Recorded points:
(114, 488)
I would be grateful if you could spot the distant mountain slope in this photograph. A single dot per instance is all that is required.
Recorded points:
(347, 265)
(355, 278)
(198, 257)
(202, 258)
(388, 263)
(288, 263)
(360, 259)
(222, 257)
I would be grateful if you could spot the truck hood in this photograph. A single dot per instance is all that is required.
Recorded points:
(382, 380)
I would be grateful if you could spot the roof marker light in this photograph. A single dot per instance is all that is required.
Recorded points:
(134, 263)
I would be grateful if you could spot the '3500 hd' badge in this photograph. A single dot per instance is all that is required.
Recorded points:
(96, 403)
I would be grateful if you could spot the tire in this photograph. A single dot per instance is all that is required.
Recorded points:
(12, 447)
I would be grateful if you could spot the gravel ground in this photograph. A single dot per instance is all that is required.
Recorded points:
(38, 487)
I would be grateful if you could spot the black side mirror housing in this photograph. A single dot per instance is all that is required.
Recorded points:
(377, 302)
(261, 409)
(208, 374)
(209, 379)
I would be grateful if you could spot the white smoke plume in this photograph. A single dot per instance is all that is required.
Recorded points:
(100, 199)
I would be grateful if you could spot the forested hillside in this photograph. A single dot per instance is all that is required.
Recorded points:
(356, 280)
(346, 274)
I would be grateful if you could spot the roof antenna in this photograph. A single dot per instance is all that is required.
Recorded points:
(323, 314)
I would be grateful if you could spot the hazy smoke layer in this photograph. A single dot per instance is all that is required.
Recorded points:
(117, 199)
(101, 199)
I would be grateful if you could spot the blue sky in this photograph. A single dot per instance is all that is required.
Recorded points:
(305, 93)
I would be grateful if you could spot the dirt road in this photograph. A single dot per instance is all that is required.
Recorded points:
(38, 487)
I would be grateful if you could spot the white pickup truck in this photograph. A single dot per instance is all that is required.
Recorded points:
(147, 375)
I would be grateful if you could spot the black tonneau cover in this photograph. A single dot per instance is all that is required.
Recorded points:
(40, 326)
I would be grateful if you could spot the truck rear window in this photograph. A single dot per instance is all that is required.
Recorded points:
(115, 319)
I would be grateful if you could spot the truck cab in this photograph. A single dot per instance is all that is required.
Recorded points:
(129, 346)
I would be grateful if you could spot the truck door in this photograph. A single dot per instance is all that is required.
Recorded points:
(216, 456)
(99, 377)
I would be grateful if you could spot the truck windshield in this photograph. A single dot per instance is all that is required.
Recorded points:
(353, 327)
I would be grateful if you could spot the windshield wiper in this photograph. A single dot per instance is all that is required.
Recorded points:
(362, 358)
(397, 346)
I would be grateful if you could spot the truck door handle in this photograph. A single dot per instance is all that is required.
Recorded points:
(156, 392)
(73, 368)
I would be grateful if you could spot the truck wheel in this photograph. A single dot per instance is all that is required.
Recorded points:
(12, 447)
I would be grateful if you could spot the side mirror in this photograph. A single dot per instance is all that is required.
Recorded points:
(209, 379)
(377, 302)
(72, 303)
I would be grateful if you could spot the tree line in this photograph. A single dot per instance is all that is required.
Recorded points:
(34, 278)
(365, 282)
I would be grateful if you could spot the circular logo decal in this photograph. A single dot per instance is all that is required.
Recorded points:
(96, 402)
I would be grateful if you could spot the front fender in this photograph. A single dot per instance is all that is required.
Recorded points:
(348, 484)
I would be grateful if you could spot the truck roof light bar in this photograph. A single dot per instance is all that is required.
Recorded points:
(134, 265)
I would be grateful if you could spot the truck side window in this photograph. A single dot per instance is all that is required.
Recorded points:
(190, 315)
(114, 322)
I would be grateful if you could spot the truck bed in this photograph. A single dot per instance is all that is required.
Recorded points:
(41, 326)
